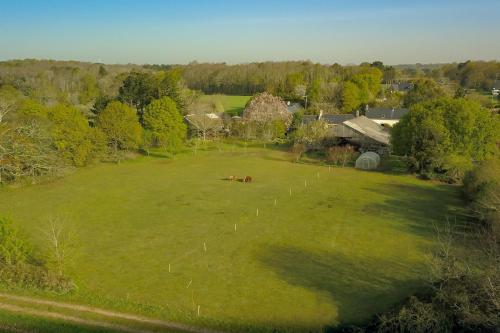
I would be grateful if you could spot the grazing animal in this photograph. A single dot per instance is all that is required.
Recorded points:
(247, 179)
(231, 178)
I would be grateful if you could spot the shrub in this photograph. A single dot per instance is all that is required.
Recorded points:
(446, 136)
(297, 150)
(481, 188)
(21, 267)
(121, 127)
(340, 155)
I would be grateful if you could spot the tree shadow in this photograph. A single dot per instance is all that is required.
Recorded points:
(360, 287)
(421, 210)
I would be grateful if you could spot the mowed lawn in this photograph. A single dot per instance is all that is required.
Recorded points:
(299, 248)
(233, 105)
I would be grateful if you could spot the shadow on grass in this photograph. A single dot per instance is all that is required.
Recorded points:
(422, 209)
(359, 286)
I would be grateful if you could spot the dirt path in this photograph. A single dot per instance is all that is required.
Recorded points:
(94, 310)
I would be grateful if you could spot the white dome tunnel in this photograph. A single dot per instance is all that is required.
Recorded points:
(368, 161)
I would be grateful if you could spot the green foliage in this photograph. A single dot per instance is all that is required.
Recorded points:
(361, 88)
(481, 188)
(32, 108)
(169, 85)
(350, 97)
(89, 89)
(446, 136)
(120, 126)
(21, 266)
(138, 90)
(311, 133)
(166, 124)
(71, 134)
(27, 150)
(423, 91)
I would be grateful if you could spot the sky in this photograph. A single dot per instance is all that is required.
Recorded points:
(237, 31)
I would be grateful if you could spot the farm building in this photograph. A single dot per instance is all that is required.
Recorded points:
(363, 132)
(357, 130)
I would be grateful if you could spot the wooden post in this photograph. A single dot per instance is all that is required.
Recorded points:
(275, 201)
(205, 246)
(290, 191)
(257, 212)
(198, 310)
(169, 268)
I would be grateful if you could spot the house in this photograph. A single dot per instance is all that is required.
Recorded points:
(401, 87)
(386, 116)
(495, 91)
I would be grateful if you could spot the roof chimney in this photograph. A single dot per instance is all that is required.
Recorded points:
(320, 114)
(357, 113)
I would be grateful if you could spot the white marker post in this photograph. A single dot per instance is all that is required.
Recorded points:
(290, 191)
(305, 183)
(275, 201)
(257, 213)
(235, 227)
(205, 246)
(198, 310)
(169, 268)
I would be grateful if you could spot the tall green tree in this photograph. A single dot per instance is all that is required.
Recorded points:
(422, 91)
(446, 136)
(120, 125)
(166, 124)
(138, 90)
(71, 134)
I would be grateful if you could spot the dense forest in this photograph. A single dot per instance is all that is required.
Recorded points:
(332, 88)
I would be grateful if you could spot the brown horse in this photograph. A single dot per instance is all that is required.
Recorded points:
(247, 179)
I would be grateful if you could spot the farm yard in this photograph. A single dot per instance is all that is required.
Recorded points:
(299, 248)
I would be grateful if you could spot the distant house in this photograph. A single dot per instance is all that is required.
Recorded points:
(386, 116)
(496, 88)
(401, 87)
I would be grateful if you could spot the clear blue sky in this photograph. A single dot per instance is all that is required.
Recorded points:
(235, 31)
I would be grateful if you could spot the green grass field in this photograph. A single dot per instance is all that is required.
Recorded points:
(233, 105)
(299, 248)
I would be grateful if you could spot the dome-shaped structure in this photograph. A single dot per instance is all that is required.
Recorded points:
(368, 161)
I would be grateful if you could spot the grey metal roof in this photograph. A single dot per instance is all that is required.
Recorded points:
(386, 113)
(295, 107)
(402, 86)
(335, 119)
(369, 128)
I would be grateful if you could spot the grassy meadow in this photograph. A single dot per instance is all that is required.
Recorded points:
(233, 105)
(300, 248)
